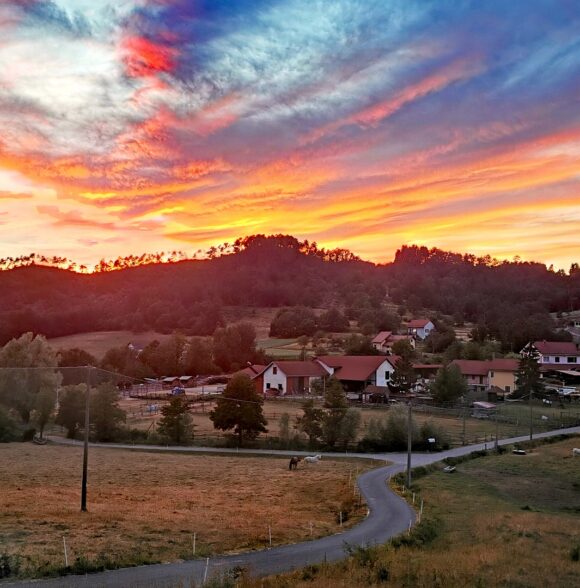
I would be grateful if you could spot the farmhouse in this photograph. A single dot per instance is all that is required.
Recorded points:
(289, 377)
(420, 328)
(384, 341)
(556, 353)
(356, 372)
(491, 373)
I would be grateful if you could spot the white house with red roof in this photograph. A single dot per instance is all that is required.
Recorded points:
(556, 353)
(290, 377)
(420, 328)
(356, 372)
(384, 341)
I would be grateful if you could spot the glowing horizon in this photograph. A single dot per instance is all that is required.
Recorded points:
(133, 126)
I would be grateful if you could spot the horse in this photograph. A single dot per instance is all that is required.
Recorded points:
(312, 458)
(294, 463)
(576, 452)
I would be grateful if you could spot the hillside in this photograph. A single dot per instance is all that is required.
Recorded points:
(509, 300)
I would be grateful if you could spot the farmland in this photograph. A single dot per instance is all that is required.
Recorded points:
(498, 521)
(145, 507)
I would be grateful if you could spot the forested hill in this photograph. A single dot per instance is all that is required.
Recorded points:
(281, 271)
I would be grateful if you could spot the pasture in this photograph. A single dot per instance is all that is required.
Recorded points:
(99, 342)
(505, 520)
(146, 506)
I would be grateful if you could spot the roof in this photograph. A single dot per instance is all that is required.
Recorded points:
(503, 365)
(356, 368)
(484, 405)
(418, 323)
(556, 347)
(299, 368)
(382, 337)
(471, 367)
(252, 370)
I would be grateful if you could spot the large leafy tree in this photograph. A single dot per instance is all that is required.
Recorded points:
(234, 346)
(20, 387)
(176, 423)
(240, 409)
(335, 408)
(71, 410)
(105, 413)
(310, 422)
(449, 385)
(528, 376)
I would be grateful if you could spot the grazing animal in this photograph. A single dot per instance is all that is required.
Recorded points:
(312, 458)
(544, 417)
(576, 452)
(293, 463)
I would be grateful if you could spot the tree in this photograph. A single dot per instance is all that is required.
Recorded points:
(528, 376)
(310, 423)
(335, 407)
(349, 427)
(240, 409)
(71, 410)
(43, 408)
(404, 376)
(449, 384)
(105, 413)
(403, 348)
(294, 322)
(333, 321)
(198, 359)
(234, 346)
(75, 357)
(359, 345)
(176, 423)
(20, 387)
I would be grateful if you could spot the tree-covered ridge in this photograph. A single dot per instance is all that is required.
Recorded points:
(508, 301)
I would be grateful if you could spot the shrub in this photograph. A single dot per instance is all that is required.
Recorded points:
(421, 534)
(9, 565)
(8, 427)
(575, 553)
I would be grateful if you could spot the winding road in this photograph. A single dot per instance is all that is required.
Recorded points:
(389, 515)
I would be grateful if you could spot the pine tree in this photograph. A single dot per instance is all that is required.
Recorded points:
(404, 376)
(335, 407)
(105, 413)
(310, 422)
(449, 384)
(528, 376)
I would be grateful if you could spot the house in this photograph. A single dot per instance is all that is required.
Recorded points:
(556, 353)
(420, 328)
(487, 374)
(356, 372)
(384, 341)
(289, 377)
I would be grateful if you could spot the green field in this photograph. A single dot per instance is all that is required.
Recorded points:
(510, 521)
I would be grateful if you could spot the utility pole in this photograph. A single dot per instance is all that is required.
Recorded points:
(531, 416)
(464, 414)
(86, 443)
(496, 427)
(409, 443)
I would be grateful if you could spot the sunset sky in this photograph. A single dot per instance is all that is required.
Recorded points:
(145, 125)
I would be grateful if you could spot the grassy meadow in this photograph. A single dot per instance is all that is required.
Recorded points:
(508, 520)
(145, 507)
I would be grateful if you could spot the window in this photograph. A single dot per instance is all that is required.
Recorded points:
(274, 370)
(267, 385)
(387, 376)
(279, 386)
(571, 360)
(491, 374)
(481, 379)
(508, 389)
(556, 359)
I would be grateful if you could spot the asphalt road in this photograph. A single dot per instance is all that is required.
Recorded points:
(389, 515)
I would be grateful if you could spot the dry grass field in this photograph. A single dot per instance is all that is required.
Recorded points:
(509, 521)
(146, 506)
(99, 342)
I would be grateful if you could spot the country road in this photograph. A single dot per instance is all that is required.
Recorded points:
(389, 515)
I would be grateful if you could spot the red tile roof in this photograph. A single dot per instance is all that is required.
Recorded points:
(418, 323)
(252, 370)
(503, 365)
(557, 348)
(300, 368)
(471, 367)
(356, 368)
(382, 337)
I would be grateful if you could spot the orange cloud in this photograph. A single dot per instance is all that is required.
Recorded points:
(144, 58)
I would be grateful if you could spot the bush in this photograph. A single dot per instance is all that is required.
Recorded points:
(8, 427)
(421, 534)
(9, 565)
(575, 553)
